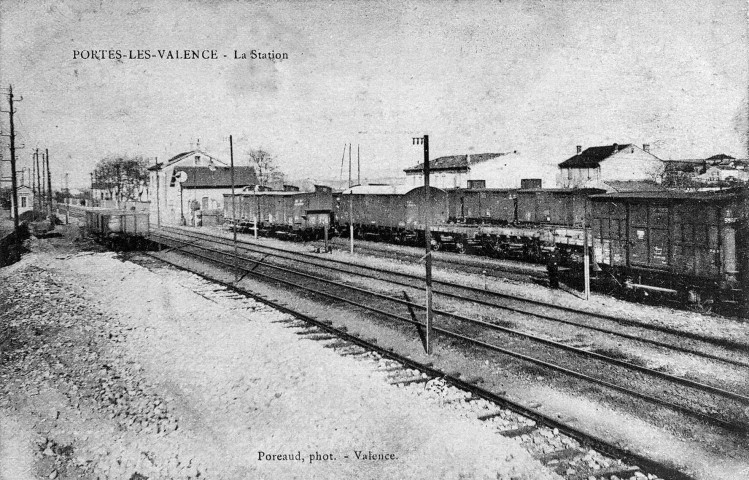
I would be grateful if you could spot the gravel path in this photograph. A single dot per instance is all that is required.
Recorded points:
(113, 371)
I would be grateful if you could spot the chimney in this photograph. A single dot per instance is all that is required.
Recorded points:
(616, 147)
(579, 149)
(646, 147)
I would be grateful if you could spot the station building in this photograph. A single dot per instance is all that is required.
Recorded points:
(192, 184)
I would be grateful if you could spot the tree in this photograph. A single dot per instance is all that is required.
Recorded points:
(123, 177)
(264, 163)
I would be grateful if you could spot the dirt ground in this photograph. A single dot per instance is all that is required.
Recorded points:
(109, 370)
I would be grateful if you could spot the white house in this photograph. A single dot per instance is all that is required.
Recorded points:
(25, 200)
(625, 162)
(482, 170)
(190, 182)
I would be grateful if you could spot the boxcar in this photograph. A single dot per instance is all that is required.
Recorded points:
(416, 207)
(389, 212)
(313, 212)
(487, 205)
(374, 210)
(675, 243)
(553, 206)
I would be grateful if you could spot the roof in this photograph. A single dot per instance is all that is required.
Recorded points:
(721, 156)
(669, 195)
(378, 190)
(182, 156)
(382, 189)
(621, 186)
(220, 177)
(591, 157)
(454, 162)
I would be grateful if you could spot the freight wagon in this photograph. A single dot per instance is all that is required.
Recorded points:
(285, 214)
(486, 205)
(118, 229)
(390, 212)
(670, 243)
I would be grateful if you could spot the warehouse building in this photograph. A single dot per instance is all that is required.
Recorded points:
(617, 162)
(482, 170)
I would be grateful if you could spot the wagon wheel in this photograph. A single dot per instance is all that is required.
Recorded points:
(702, 306)
(436, 246)
(460, 247)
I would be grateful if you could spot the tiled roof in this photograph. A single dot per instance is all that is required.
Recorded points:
(454, 162)
(591, 157)
(204, 177)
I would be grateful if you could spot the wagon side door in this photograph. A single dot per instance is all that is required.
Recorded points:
(638, 234)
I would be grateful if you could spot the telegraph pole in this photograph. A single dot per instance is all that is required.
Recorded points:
(33, 181)
(358, 166)
(233, 200)
(158, 200)
(586, 253)
(49, 187)
(427, 243)
(43, 198)
(13, 180)
(350, 205)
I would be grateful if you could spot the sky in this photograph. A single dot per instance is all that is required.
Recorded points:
(539, 77)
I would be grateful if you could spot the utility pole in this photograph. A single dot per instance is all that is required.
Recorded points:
(44, 184)
(358, 166)
(586, 252)
(233, 200)
(39, 182)
(49, 188)
(427, 243)
(33, 181)
(13, 179)
(158, 200)
(350, 205)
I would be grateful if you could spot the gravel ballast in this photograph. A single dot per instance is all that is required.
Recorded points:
(111, 370)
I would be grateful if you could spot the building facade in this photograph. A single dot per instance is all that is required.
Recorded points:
(625, 162)
(483, 170)
(191, 183)
(25, 199)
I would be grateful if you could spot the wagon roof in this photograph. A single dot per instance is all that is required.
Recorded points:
(378, 190)
(669, 195)
(382, 189)
(589, 191)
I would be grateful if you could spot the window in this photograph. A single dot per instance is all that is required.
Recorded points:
(23, 202)
(476, 183)
(205, 203)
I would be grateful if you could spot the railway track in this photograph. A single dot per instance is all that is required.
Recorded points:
(568, 451)
(646, 333)
(484, 265)
(697, 400)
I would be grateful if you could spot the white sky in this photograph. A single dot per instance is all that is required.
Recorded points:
(538, 77)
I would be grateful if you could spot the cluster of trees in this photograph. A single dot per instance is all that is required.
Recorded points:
(124, 177)
(265, 165)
